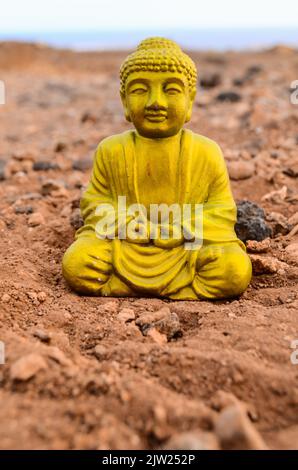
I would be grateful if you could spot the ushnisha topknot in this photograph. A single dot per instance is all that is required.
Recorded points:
(158, 54)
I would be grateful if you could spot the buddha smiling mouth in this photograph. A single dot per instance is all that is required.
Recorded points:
(155, 117)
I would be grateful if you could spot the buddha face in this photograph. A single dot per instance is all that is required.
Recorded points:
(157, 103)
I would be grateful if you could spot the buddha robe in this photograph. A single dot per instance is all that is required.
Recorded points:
(184, 169)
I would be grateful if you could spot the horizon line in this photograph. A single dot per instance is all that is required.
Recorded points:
(153, 28)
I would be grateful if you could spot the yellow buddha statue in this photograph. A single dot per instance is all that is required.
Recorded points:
(158, 212)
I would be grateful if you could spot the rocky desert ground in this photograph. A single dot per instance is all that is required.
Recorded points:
(139, 373)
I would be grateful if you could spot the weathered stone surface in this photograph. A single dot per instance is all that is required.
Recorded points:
(258, 247)
(251, 223)
(267, 265)
(162, 320)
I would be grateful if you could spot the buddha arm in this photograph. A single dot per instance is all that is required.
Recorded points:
(219, 211)
(98, 206)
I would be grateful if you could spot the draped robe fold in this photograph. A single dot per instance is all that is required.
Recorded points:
(202, 179)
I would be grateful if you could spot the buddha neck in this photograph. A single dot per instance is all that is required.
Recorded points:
(159, 142)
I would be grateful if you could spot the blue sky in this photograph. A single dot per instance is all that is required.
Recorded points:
(70, 15)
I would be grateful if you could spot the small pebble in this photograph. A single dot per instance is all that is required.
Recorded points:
(36, 219)
(126, 315)
(5, 298)
(60, 146)
(100, 352)
(23, 210)
(163, 320)
(43, 335)
(41, 296)
(241, 170)
(27, 367)
(76, 220)
(156, 336)
(50, 186)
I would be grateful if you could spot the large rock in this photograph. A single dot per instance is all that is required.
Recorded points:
(229, 96)
(45, 165)
(241, 170)
(253, 246)
(235, 431)
(163, 320)
(210, 80)
(267, 265)
(27, 367)
(251, 223)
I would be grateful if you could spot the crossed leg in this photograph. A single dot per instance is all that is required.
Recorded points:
(223, 271)
(87, 268)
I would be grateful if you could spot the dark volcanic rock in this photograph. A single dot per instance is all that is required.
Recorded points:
(24, 210)
(76, 220)
(230, 96)
(42, 165)
(251, 223)
(210, 80)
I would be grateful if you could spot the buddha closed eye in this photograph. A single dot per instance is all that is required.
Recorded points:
(171, 90)
(138, 89)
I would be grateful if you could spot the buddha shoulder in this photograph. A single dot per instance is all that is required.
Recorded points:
(208, 150)
(114, 143)
(207, 146)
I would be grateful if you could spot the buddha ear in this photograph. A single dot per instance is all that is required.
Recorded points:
(192, 95)
(125, 107)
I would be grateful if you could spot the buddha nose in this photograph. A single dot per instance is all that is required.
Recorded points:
(155, 106)
(156, 101)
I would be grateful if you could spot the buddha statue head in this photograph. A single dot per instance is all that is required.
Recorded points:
(158, 87)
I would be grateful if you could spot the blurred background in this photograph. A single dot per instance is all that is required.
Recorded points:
(102, 24)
